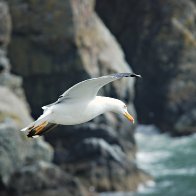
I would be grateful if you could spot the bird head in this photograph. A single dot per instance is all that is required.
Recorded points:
(121, 108)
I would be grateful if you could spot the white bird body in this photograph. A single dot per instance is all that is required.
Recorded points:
(63, 114)
(79, 104)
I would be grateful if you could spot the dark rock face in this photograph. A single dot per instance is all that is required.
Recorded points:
(159, 43)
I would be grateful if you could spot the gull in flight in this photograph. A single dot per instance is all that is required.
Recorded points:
(79, 104)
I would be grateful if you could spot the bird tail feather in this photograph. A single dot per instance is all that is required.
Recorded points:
(40, 126)
(38, 129)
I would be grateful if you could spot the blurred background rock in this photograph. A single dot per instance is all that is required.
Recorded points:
(47, 46)
(158, 38)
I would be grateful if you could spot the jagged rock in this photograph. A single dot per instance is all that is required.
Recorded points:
(159, 42)
(44, 179)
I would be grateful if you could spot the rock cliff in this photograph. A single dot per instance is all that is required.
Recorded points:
(158, 38)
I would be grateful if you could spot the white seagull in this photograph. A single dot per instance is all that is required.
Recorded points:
(79, 104)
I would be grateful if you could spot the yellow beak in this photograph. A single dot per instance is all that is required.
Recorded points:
(129, 117)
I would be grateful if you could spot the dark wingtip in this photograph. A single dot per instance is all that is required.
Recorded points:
(135, 75)
(122, 75)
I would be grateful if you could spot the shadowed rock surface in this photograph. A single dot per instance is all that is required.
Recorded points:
(158, 38)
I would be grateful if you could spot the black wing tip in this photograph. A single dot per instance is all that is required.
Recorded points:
(122, 75)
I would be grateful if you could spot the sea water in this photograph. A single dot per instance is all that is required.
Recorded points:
(171, 161)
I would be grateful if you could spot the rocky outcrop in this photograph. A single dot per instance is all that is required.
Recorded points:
(159, 42)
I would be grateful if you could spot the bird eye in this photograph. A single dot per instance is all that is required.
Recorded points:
(125, 107)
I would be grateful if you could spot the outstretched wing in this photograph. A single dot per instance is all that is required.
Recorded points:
(88, 89)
